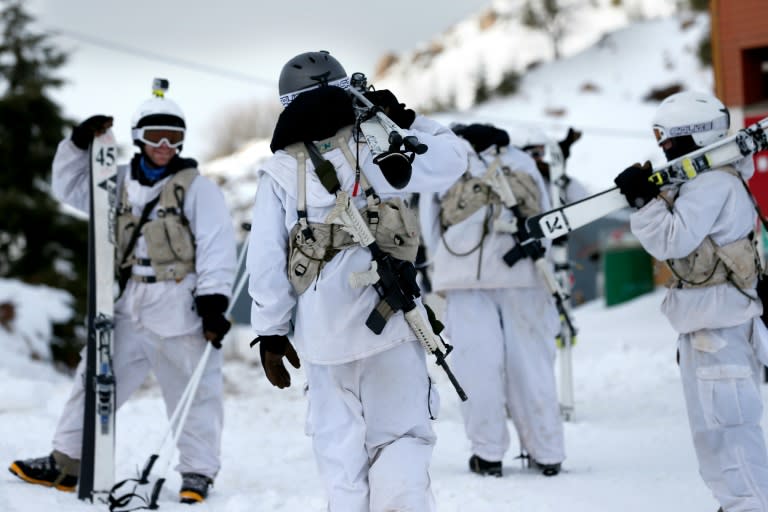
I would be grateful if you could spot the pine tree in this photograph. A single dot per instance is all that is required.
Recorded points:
(39, 244)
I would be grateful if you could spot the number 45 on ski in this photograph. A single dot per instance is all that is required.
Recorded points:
(97, 473)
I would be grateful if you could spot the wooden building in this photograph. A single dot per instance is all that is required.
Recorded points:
(740, 62)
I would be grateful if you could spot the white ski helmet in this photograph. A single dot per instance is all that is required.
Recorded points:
(700, 115)
(307, 71)
(527, 136)
(158, 111)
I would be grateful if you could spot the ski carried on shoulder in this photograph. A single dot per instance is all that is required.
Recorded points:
(561, 221)
(97, 461)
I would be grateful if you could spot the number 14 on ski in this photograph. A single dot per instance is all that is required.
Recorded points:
(97, 474)
(561, 221)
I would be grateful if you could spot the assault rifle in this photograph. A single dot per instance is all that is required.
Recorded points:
(525, 245)
(393, 279)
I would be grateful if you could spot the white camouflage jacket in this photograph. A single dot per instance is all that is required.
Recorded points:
(452, 271)
(329, 318)
(714, 204)
(165, 307)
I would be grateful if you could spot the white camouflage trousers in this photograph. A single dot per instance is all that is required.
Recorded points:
(721, 377)
(504, 354)
(172, 360)
(371, 430)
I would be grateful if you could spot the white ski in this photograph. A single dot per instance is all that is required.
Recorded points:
(560, 221)
(559, 251)
(97, 462)
(375, 136)
(383, 136)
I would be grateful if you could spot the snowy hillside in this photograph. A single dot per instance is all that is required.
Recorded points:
(600, 90)
(628, 445)
(446, 70)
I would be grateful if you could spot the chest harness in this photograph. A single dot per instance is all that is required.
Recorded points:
(709, 264)
(312, 244)
(169, 239)
(470, 193)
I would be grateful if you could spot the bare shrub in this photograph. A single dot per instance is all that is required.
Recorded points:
(240, 124)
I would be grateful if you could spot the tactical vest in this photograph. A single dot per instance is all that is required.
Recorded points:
(471, 193)
(737, 263)
(312, 244)
(170, 242)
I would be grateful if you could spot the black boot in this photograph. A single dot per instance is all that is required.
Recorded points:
(484, 467)
(194, 487)
(54, 470)
(546, 469)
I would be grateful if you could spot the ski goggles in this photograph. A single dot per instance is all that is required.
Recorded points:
(663, 133)
(286, 99)
(154, 136)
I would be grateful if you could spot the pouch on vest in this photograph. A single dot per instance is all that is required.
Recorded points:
(307, 257)
(526, 192)
(171, 239)
(710, 265)
(470, 194)
(397, 231)
(463, 199)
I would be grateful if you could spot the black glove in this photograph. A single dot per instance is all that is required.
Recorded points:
(633, 183)
(396, 111)
(211, 309)
(83, 134)
(482, 136)
(567, 142)
(272, 350)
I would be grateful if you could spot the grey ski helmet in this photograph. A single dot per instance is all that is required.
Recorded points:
(307, 71)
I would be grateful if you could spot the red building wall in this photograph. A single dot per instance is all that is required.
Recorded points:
(739, 45)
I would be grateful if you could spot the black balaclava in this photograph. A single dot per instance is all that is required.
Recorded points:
(680, 146)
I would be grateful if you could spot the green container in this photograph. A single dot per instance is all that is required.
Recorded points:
(627, 273)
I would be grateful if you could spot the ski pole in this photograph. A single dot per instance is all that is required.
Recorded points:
(194, 379)
(181, 411)
(185, 402)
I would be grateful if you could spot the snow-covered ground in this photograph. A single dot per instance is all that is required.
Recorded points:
(628, 444)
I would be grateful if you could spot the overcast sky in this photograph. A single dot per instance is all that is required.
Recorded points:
(223, 53)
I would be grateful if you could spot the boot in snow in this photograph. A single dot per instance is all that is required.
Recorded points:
(547, 469)
(54, 470)
(194, 487)
(484, 467)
